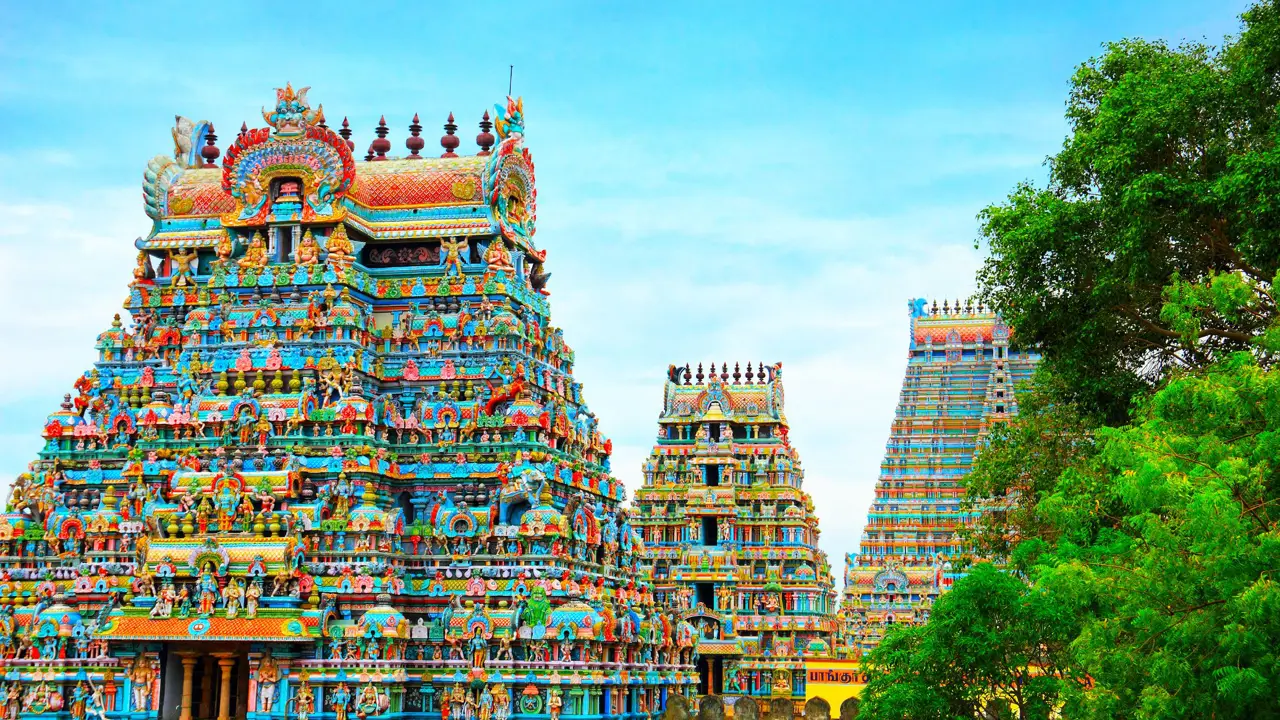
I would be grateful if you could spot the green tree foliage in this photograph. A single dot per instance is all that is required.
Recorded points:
(1167, 189)
(1020, 463)
(1135, 501)
(991, 648)
(1167, 541)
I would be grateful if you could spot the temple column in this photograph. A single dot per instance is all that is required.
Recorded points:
(189, 660)
(226, 663)
(206, 689)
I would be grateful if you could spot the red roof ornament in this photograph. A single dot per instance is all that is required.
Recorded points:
(449, 141)
(210, 151)
(382, 145)
(414, 142)
(485, 139)
(345, 132)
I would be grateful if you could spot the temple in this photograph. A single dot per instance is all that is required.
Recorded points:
(730, 536)
(960, 380)
(336, 462)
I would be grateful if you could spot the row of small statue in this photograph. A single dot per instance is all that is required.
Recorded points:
(237, 595)
(86, 700)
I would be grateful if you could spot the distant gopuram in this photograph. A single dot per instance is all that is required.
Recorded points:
(959, 381)
(336, 463)
(730, 535)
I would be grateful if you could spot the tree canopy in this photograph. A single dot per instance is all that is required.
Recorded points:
(1155, 241)
(1013, 643)
(1134, 503)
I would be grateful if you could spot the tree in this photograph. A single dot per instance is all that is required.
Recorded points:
(1165, 191)
(1019, 464)
(993, 647)
(1168, 542)
(1137, 492)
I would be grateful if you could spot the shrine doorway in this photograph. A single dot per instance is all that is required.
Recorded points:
(205, 683)
(710, 675)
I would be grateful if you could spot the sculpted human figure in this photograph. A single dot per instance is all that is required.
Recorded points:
(231, 597)
(255, 256)
(453, 248)
(141, 677)
(304, 699)
(339, 699)
(268, 680)
(308, 252)
(181, 261)
(251, 595)
(497, 256)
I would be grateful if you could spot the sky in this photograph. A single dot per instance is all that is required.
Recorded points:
(716, 181)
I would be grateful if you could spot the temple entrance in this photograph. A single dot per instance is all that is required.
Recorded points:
(205, 684)
(710, 675)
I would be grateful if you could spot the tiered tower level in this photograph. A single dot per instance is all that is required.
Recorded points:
(337, 462)
(730, 536)
(960, 380)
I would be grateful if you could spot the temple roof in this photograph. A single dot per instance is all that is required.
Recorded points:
(194, 200)
(724, 396)
(955, 324)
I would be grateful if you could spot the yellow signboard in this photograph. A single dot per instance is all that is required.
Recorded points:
(833, 680)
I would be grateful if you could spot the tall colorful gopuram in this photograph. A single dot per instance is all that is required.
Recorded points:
(337, 463)
(730, 535)
(960, 380)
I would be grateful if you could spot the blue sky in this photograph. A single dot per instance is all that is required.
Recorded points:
(717, 181)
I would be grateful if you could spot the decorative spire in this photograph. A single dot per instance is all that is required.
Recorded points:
(320, 117)
(485, 139)
(415, 143)
(450, 141)
(699, 376)
(737, 373)
(381, 145)
(345, 132)
(368, 157)
(244, 130)
(210, 151)
(749, 373)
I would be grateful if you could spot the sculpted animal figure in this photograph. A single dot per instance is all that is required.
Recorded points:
(519, 495)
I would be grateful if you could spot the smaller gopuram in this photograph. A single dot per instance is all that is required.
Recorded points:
(730, 537)
(960, 380)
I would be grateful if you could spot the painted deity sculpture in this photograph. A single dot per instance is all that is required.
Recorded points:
(142, 677)
(267, 681)
(304, 699)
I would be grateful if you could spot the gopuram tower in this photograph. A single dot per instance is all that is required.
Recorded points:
(960, 380)
(730, 535)
(336, 463)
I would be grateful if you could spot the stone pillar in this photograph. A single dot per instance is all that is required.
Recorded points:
(206, 688)
(189, 661)
(226, 663)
